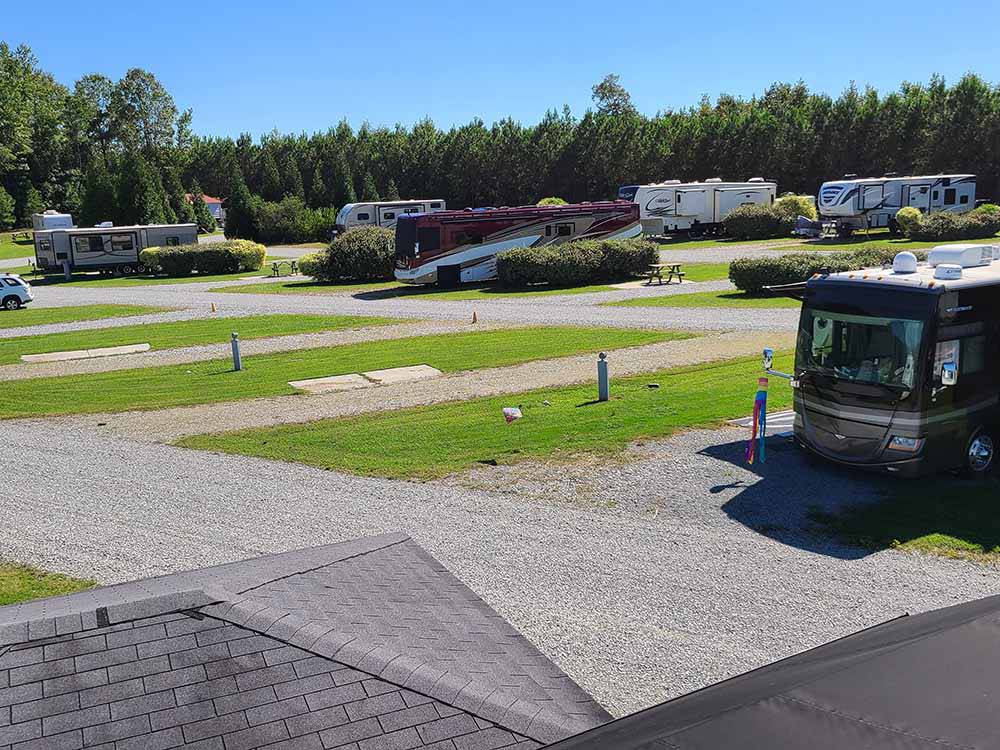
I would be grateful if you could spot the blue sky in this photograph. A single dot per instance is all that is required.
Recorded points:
(303, 66)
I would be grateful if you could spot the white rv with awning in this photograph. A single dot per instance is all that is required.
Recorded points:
(693, 207)
(384, 213)
(855, 203)
(105, 248)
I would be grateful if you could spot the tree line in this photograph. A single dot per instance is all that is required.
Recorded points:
(123, 151)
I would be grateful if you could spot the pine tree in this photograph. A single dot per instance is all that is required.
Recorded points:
(177, 198)
(32, 203)
(343, 183)
(241, 207)
(202, 216)
(99, 202)
(291, 178)
(269, 177)
(369, 192)
(141, 197)
(391, 191)
(318, 197)
(6, 209)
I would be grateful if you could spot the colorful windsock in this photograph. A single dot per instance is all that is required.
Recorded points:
(759, 429)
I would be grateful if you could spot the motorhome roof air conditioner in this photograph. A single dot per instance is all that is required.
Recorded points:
(714, 179)
(904, 262)
(948, 272)
(756, 179)
(850, 176)
(963, 256)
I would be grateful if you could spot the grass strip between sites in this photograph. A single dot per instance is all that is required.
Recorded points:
(182, 333)
(22, 583)
(941, 517)
(709, 299)
(558, 424)
(268, 374)
(9, 249)
(40, 316)
(97, 280)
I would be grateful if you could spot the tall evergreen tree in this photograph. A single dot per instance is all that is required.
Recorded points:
(141, 197)
(202, 216)
(369, 192)
(7, 215)
(241, 207)
(99, 202)
(343, 183)
(181, 207)
(391, 191)
(318, 196)
(268, 177)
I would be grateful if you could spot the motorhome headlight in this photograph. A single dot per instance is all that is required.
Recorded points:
(906, 444)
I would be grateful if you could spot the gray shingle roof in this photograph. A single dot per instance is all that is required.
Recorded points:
(365, 645)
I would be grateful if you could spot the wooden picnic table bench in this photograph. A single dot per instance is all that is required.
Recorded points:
(293, 266)
(22, 235)
(673, 272)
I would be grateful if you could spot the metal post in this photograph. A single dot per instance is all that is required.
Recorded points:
(602, 377)
(237, 360)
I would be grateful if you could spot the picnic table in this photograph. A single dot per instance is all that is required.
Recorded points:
(293, 266)
(673, 272)
(24, 235)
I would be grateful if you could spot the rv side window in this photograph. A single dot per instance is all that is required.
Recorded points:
(389, 215)
(121, 243)
(949, 197)
(411, 210)
(173, 241)
(564, 230)
(89, 244)
(963, 199)
(429, 239)
(363, 217)
(934, 195)
(468, 237)
(46, 245)
(973, 357)
(435, 205)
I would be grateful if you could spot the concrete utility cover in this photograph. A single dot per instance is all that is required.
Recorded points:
(779, 423)
(332, 383)
(108, 351)
(365, 379)
(402, 374)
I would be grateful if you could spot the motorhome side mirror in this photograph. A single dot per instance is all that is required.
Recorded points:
(949, 373)
(768, 359)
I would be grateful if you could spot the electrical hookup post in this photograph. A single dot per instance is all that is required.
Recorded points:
(758, 429)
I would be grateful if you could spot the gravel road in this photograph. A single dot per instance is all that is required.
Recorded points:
(669, 590)
(168, 425)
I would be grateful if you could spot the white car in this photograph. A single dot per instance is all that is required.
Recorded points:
(14, 291)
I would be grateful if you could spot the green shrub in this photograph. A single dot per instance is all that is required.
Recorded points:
(757, 222)
(991, 209)
(231, 256)
(359, 254)
(793, 206)
(947, 227)
(751, 275)
(908, 219)
(311, 264)
(551, 201)
(575, 263)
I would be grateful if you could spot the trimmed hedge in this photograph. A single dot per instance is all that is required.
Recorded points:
(947, 227)
(908, 219)
(311, 264)
(551, 201)
(575, 263)
(793, 206)
(359, 254)
(231, 256)
(757, 221)
(751, 275)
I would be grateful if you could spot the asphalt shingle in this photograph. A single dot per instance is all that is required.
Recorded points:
(367, 645)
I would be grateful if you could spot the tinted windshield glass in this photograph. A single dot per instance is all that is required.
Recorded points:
(859, 348)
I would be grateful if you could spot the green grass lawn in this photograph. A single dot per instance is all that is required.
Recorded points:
(181, 333)
(395, 290)
(719, 243)
(22, 583)
(705, 271)
(97, 280)
(878, 238)
(37, 316)
(20, 249)
(709, 299)
(268, 374)
(946, 517)
(558, 424)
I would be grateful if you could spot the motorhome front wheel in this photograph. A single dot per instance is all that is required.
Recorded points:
(979, 458)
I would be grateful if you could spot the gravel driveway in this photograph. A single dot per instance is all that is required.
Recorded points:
(663, 592)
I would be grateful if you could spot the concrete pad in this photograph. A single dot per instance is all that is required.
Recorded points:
(644, 284)
(108, 351)
(402, 374)
(332, 383)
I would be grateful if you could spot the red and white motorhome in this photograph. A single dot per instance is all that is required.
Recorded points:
(450, 247)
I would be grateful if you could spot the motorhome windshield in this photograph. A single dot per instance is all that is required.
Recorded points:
(860, 348)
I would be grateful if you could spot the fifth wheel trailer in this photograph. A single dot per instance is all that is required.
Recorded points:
(870, 202)
(694, 207)
(383, 214)
(105, 248)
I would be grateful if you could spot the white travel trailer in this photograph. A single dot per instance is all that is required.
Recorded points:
(694, 207)
(873, 201)
(51, 220)
(105, 248)
(383, 214)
